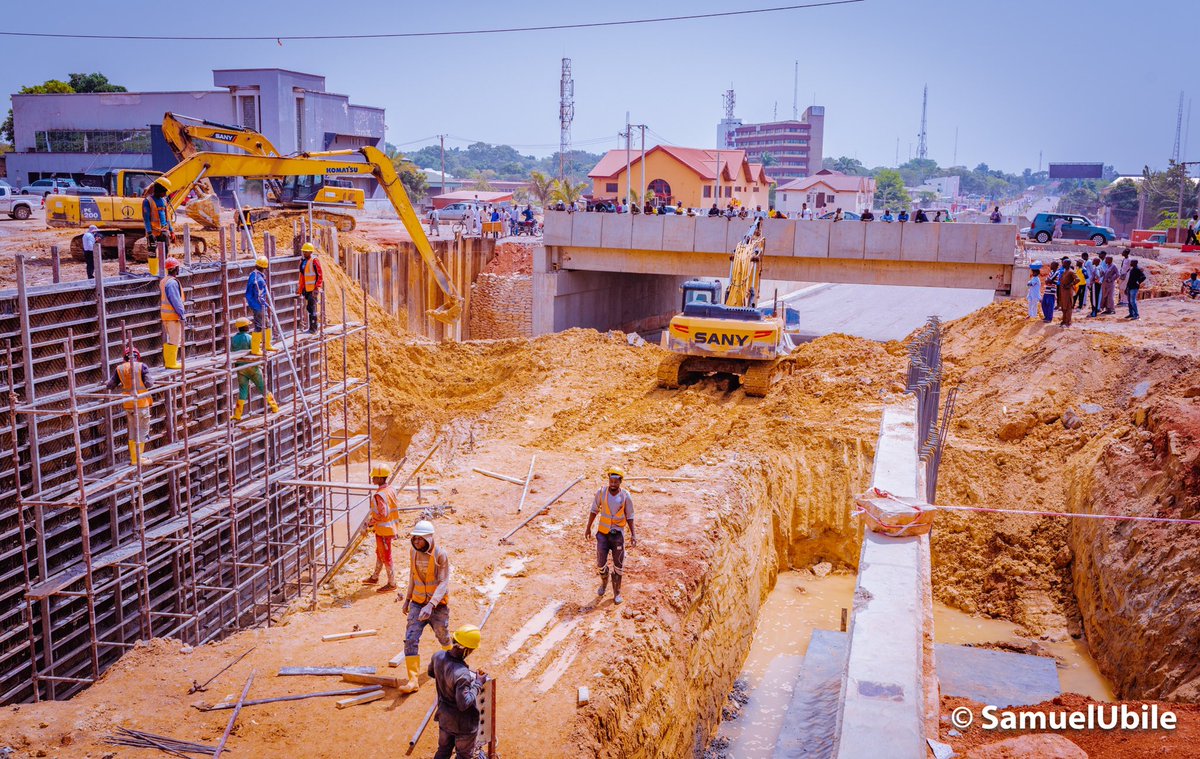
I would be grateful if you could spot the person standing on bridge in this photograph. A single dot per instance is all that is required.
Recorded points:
(1034, 292)
(614, 506)
(995, 217)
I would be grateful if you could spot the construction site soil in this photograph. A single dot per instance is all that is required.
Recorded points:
(729, 490)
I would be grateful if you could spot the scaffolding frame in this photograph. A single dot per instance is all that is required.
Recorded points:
(201, 537)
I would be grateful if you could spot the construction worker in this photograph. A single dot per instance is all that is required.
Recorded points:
(457, 695)
(311, 279)
(259, 301)
(173, 313)
(251, 374)
(426, 602)
(382, 520)
(614, 506)
(135, 380)
(156, 214)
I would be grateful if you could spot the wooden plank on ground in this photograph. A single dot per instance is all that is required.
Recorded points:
(348, 635)
(323, 671)
(386, 681)
(365, 698)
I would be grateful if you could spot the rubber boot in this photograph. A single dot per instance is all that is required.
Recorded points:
(170, 356)
(256, 342)
(617, 589)
(237, 410)
(603, 585)
(267, 341)
(413, 665)
(133, 453)
(271, 402)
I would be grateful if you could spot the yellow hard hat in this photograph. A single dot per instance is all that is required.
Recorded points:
(468, 636)
(307, 247)
(618, 471)
(262, 262)
(383, 470)
(166, 183)
(241, 321)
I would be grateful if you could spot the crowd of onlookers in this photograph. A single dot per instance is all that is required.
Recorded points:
(1096, 280)
(738, 211)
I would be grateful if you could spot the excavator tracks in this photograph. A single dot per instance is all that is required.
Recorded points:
(759, 377)
(670, 371)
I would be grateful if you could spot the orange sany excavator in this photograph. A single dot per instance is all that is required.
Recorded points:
(294, 194)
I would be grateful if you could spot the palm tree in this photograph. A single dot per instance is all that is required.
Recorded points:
(567, 192)
(541, 186)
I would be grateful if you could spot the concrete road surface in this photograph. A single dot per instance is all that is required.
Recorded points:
(879, 312)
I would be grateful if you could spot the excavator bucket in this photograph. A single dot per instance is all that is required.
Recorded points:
(205, 211)
(447, 313)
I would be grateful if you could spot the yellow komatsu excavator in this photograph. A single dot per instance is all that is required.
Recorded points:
(371, 162)
(294, 194)
(729, 336)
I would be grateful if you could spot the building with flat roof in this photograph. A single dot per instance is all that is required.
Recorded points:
(794, 146)
(694, 176)
(74, 134)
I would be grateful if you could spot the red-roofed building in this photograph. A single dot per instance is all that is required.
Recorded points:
(692, 176)
(825, 191)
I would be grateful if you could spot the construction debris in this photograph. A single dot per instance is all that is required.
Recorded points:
(138, 739)
(386, 681)
(498, 476)
(365, 698)
(528, 482)
(542, 510)
(323, 671)
(584, 696)
(197, 687)
(237, 709)
(348, 635)
(279, 699)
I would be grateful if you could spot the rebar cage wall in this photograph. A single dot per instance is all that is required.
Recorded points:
(201, 539)
(924, 380)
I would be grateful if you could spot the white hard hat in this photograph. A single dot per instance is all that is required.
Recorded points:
(422, 529)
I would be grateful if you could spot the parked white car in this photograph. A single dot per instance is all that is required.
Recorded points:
(16, 205)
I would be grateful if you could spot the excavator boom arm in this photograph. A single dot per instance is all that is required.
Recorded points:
(745, 270)
(184, 176)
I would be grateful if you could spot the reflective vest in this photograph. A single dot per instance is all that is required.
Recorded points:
(387, 525)
(424, 582)
(130, 373)
(165, 309)
(608, 518)
(308, 274)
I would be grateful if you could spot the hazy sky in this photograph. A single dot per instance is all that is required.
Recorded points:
(1080, 80)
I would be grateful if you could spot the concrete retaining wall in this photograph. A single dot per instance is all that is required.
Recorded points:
(603, 300)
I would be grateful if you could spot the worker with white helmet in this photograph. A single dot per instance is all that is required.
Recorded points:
(310, 282)
(258, 298)
(614, 506)
(427, 600)
(457, 695)
(382, 521)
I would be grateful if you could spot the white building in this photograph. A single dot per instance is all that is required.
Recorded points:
(943, 188)
(826, 191)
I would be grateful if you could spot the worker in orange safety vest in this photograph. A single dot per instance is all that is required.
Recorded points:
(310, 282)
(382, 520)
(173, 313)
(614, 506)
(427, 600)
(135, 380)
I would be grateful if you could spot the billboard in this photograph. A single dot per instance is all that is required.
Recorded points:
(1076, 170)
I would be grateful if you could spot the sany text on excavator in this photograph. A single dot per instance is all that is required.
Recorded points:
(182, 179)
(730, 336)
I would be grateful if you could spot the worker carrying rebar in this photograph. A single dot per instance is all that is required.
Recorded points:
(427, 600)
(173, 313)
(311, 280)
(614, 506)
(135, 380)
(382, 520)
(251, 374)
(457, 695)
(259, 300)
(156, 213)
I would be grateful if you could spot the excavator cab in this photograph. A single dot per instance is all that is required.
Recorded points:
(701, 291)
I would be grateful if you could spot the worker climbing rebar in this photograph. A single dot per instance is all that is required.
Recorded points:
(383, 519)
(310, 281)
(157, 213)
(241, 341)
(457, 695)
(174, 315)
(135, 379)
(614, 506)
(427, 599)
(259, 300)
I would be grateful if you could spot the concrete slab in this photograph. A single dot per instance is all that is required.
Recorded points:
(812, 239)
(919, 242)
(1001, 678)
(847, 239)
(956, 242)
(710, 235)
(557, 228)
(883, 241)
(585, 229)
(616, 229)
(996, 244)
(810, 726)
(678, 237)
(781, 236)
(648, 230)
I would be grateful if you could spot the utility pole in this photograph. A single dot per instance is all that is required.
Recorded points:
(796, 91)
(954, 160)
(628, 178)
(442, 142)
(643, 195)
(897, 152)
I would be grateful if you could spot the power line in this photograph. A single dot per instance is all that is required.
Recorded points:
(399, 35)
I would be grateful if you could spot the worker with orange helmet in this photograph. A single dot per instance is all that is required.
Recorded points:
(614, 506)
(173, 313)
(382, 520)
(309, 285)
(427, 599)
(457, 695)
(135, 380)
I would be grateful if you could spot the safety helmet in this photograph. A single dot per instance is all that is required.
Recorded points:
(134, 352)
(423, 529)
(307, 248)
(615, 470)
(164, 183)
(262, 262)
(468, 636)
(172, 263)
(383, 470)
(240, 322)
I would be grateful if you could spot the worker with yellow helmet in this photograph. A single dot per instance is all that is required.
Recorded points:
(382, 521)
(427, 599)
(157, 215)
(241, 341)
(457, 695)
(309, 284)
(614, 506)
(258, 298)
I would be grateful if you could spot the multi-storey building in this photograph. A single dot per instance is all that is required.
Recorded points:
(788, 149)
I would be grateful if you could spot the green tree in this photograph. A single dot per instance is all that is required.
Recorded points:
(93, 82)
(482, 180)
(916, 171)
(1162, 189)
(541, 186)
(568, 192)
(889, 190)
(1122, 200)
(845, 165)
